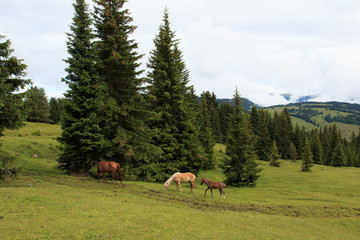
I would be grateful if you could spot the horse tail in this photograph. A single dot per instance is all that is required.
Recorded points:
(98, 171)
(118, 170)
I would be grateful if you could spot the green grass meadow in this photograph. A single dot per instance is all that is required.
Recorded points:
(43, 202)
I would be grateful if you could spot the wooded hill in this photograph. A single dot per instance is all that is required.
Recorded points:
(312, 115)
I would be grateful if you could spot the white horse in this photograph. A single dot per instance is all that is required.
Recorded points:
(181, 177)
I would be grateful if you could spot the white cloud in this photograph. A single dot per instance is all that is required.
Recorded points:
(265, 48)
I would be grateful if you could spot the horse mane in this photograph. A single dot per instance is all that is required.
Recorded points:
(171, 179)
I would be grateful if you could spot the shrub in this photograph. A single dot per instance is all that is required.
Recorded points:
(5, 161)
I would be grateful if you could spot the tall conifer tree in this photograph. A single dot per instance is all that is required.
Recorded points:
(274, 156)
(307, 157)
(82, 137)
(128, 139)
(241, 168)
(12, 73)
(226, 109)
(292, 152)
(206, 134)
(338, 158)
(285, 131)
(316, 148)
(260, 121)
(171, 100)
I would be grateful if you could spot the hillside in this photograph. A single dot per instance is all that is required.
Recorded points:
(346, 116)
(43, 202)
(247, 103)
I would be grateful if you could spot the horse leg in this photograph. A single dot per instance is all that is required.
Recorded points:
(211, 193)
(178, 186)
(222, 192)
(206, 191)
(104, 174)
(192, 187)
(113, 177)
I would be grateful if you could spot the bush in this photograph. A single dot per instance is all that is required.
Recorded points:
(36, 133)
(12, 172)
(5, 161)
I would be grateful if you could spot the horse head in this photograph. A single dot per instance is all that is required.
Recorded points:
(202, 181)
(166, 185)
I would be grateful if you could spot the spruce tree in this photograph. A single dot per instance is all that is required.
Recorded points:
(307, 157)
(82, 136)
(285, 131)
(206, 134)
(292, 151)
(212, 109)
(240, 168)
(274, 156)
(325, 142)
(36, 105)
(170, 96)
(225, 111)
(260, 120)
(56, 109)
(298, 138)
(338, 158)
(128, 138)
(275, 127)
(12, 73)
(316, 148)
(333, 138)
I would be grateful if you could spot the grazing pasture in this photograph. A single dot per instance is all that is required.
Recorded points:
(42, 202)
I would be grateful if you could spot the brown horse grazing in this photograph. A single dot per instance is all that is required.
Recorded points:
(213, 185)
(181, 177)
(109, 167)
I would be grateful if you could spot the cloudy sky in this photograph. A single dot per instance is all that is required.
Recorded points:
(264, 48)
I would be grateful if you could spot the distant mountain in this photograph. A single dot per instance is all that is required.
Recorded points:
(306, 98)
(247, 103)
(289, 96)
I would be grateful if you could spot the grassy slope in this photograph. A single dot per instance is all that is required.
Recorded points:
(345, 129)
(286, 204)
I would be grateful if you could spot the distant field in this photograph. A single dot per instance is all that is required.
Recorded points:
(44, 203)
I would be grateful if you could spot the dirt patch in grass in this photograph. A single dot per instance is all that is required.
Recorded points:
(284, 210)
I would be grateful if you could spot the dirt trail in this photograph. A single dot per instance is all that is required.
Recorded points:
(284, 210)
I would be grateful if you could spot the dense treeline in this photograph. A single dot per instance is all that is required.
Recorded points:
(39, 109)
(305, 114)
(350, 119)
(327, 146)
